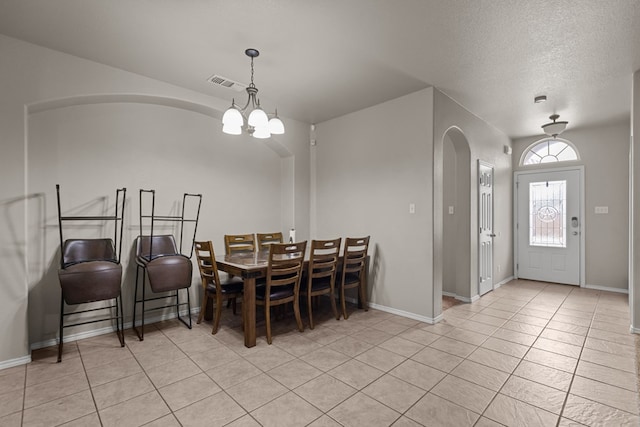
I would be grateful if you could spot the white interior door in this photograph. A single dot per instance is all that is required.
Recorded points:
(548, 225)
(485, 223)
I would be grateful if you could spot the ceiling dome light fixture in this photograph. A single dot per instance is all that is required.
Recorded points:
(554, 128)
(258, 123)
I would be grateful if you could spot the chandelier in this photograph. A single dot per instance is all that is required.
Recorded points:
(554, 128)
(258, 123)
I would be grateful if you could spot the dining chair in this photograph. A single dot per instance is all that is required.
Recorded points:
(239, 243)
(284, 272)
(265, 239)
(321, 274)
(353, 274)
(212, 288)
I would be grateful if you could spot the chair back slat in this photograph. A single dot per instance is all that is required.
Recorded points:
(239, 243)
(355, 254)
(323, 259)
(266, 239)
(206, 263)
(285, 264)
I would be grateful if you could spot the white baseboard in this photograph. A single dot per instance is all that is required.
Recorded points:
(6, 364)
(503, 282)
(406, 314)
(467, 300)
(634, 330)
(607, 288)
(459, 298)
(110, 329)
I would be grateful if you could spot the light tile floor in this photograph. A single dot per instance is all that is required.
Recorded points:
(526, 354)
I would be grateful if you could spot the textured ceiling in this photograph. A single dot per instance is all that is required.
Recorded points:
(322, 59)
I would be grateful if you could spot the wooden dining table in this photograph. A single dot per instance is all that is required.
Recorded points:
(251, 266)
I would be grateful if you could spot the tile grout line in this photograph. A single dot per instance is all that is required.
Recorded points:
(84, 369)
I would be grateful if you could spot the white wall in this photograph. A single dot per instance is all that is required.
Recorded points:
(485, 143)
(604, 152)
(93, 128)
(370, 165)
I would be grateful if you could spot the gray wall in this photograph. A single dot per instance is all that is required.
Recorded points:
(92, 128)
(456, 275)
(485, 143)
(370, 165)
(604, 152)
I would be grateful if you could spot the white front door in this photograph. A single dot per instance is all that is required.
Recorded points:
(548, 225)
(485, 224)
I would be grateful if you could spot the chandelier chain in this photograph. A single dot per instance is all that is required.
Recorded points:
(252, 72)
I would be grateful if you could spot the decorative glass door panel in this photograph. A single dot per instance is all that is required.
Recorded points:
(547, 214)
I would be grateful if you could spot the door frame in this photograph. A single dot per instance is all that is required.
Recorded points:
(516, 174)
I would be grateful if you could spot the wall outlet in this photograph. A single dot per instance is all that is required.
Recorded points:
(602, 209)
(499, 268)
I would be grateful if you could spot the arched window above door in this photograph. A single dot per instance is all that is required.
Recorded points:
(549, 150)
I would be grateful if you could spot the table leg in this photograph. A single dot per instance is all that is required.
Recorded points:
(249, 310)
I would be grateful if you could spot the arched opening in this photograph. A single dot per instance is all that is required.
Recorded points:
(456, 214)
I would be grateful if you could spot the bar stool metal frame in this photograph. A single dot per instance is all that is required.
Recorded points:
(144, 259)
(110, 248)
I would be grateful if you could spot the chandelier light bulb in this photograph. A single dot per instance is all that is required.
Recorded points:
(261, 132)
(232, 117)
(276, 127)
(258, 118)
(232, 130)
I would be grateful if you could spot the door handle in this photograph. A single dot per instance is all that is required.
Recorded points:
(492, 235)
(575, 233)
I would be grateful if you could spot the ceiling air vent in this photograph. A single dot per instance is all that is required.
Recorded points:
(227, 83)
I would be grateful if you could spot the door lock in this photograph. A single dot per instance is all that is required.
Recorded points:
(574, 221)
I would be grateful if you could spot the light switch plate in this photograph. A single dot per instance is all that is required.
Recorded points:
(412, 208)
(451, 210)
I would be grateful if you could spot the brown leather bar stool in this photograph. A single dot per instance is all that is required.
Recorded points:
(90, 272)
(168, 271)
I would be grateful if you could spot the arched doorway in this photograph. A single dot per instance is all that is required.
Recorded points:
(456, 219)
